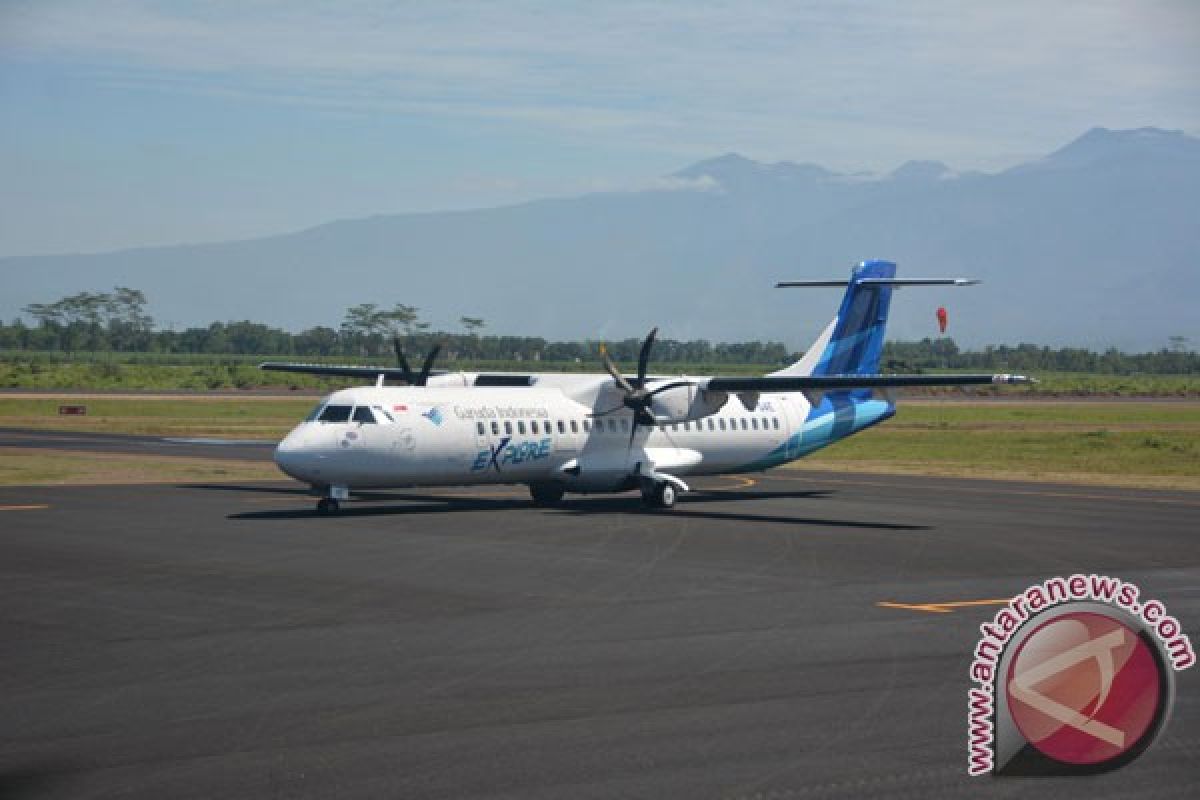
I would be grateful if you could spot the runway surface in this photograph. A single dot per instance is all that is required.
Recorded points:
(223, 641)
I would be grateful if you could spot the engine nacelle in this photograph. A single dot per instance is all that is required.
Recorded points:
(683, 403)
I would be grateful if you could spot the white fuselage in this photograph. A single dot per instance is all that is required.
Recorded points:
(434, 436)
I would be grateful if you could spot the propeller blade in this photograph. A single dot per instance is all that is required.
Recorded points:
(427, 367)
(644, 357)
(612, 370)
(402, 361)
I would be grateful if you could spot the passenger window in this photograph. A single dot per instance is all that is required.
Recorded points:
(574, 426)
(533, 426)
(711, 424)
(507, 428)
(587, 426)
(775, 423)
(495, 428)
(521, 427)
(336, 414)
(721, 423)
(479, 427)
(562, 427)
(754, 423)
(612, 425)
(624, 424)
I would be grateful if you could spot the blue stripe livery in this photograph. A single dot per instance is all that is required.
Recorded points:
(854, 348)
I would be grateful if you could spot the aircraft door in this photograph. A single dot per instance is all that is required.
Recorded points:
(566, 443)
(481, 437)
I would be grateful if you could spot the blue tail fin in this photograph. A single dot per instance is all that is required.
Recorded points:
(856, 344)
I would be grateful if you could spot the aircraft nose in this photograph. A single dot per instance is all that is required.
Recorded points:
(292, 455)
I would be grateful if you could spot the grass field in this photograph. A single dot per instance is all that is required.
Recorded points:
(25, 467)
(147, 371)
(241, 417)
(1128, 443)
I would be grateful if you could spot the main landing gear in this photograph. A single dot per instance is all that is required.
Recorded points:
(660, 494)
(546, 494)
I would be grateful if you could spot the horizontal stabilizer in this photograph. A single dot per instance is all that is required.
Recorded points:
(897, 282)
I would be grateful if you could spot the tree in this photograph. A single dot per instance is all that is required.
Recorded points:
(402, 318)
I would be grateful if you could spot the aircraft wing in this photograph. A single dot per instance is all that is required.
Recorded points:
(343, 370)
(801, 383)
(392, 373)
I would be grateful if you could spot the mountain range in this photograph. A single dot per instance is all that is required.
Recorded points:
(1096, 244)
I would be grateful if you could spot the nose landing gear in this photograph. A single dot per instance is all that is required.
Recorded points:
(331, 504)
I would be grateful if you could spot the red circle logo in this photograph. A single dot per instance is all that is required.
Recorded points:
(1084, 688)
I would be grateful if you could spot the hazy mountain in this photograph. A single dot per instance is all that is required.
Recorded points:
(1096, 244)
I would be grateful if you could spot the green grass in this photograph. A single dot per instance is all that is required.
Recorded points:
(171, 371)
(19, 467)
(238, 417)
(1054, 413)
(1085, 453)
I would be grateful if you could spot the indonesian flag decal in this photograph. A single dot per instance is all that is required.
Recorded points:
(400, 407)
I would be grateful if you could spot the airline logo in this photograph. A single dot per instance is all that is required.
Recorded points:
(505, 454)
(1084, 688)
(434, 415)
(1074, 676)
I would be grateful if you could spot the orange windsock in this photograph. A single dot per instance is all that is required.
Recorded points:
(942, 318)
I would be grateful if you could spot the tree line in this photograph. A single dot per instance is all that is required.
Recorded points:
(932, 354)
(117, 321)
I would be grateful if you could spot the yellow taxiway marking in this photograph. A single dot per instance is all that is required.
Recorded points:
(746, 483)
(22, 508)
(945, 607)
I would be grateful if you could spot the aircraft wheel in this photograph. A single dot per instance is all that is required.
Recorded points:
(327, 506)
(662, 495)
(546, 494)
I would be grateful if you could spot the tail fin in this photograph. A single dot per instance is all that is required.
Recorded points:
(852, 343)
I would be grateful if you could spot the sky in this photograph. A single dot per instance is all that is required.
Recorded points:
(125, 124)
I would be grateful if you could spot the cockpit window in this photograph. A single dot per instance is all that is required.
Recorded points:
(335, 414)
(363, 414)
(315, 412)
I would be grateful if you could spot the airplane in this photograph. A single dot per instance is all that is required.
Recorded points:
(605, 432)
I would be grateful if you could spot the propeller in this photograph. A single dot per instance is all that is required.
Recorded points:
(637, 398)
(421, 378)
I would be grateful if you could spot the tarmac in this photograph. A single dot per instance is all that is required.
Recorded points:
(224, 641)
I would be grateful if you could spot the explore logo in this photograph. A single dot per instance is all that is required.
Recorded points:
(1076, 676)
(434, 415)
